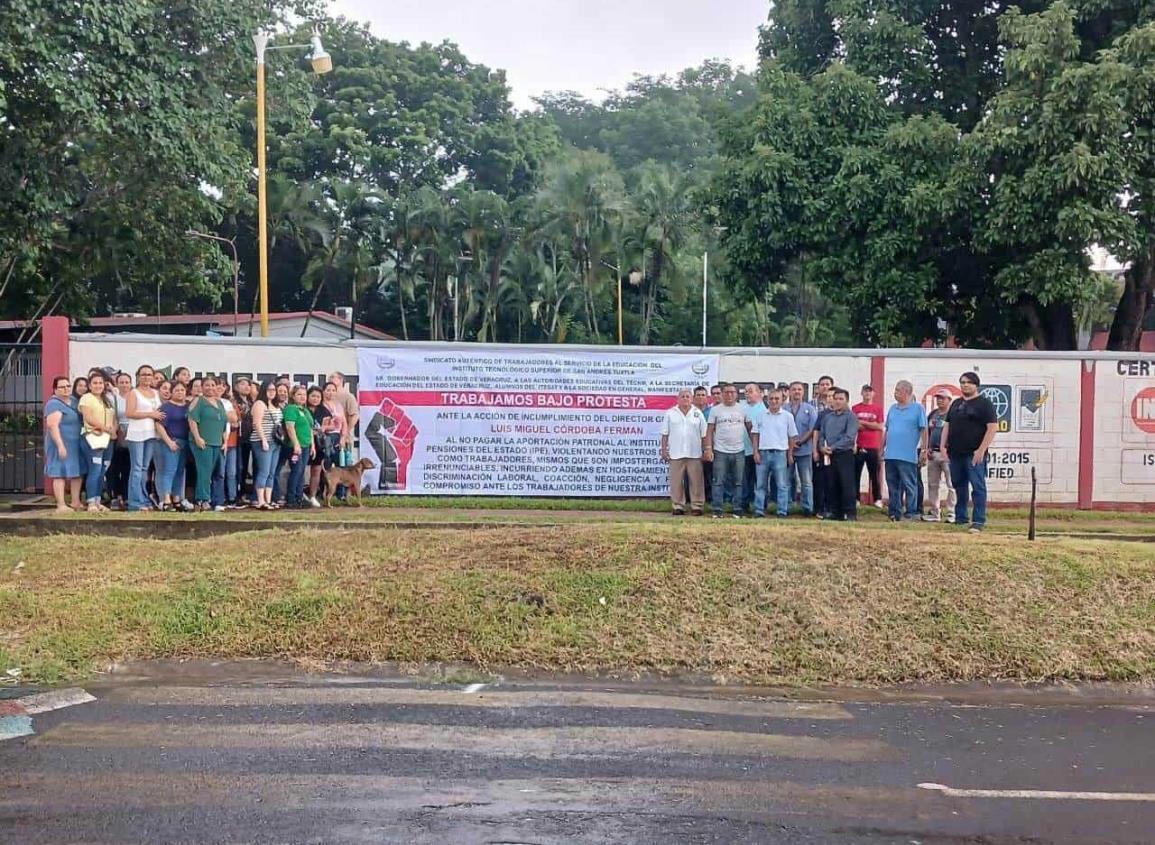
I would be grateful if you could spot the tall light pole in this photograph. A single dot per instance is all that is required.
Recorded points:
(706, 282)
(322, 63)
(635, 279)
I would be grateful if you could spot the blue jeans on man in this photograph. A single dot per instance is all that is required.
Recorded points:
(902, 483)
(969, 482)
(802, 474)
(729, 468)
(771, 472)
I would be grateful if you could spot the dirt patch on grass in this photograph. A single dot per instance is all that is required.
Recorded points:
(789, 604)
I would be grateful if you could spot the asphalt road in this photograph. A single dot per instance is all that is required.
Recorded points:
(253, 758)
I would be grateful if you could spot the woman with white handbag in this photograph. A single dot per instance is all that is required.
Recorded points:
(98, 415)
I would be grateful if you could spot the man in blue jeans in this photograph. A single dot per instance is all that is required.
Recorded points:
(805, 420)
(903, 449)
(773, 436)
(971, 425)
(725, 433)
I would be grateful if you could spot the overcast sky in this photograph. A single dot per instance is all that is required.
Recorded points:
(579, 45)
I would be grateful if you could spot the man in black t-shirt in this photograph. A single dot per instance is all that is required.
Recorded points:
(970, 427)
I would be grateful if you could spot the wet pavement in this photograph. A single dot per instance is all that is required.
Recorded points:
(265, 754)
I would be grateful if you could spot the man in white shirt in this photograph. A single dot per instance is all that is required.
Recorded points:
(774, 436)
(683, 445)
(729, 424)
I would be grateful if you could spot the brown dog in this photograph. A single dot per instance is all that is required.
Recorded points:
(349, 476)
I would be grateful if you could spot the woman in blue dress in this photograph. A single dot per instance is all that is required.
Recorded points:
(62, 444)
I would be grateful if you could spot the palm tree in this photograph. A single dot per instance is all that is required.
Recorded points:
(431, 229)
(664, 203)
(487, 237)
(355, 209)
(582, 199)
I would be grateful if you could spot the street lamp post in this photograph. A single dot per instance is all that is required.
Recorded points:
(718, 230)
(322, 63)
(635, 279)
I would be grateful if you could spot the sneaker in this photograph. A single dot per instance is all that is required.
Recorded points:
(737, 516)
(975, 529)
(879, 504)
(948, 516)
(187, 506)
(313, 503)
(715, 516)
(759, 515)
(218, 508)
(931, 517)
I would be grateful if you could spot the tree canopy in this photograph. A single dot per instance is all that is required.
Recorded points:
(944, 168)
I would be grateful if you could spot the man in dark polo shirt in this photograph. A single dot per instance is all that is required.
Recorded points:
(971, 424)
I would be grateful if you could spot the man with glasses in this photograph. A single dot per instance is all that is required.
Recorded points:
(773, 436)
(971, 424)
(904, 448)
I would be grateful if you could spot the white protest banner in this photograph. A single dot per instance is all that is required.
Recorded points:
(512, 423)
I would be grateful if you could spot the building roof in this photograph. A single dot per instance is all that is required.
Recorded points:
(223, 321)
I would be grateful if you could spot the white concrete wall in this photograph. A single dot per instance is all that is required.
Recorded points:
(305, 361)
(1047, 440)
(1125, 432)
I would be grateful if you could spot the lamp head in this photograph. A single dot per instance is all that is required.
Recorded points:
(322, 62)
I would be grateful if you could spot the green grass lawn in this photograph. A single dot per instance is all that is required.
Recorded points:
(794, 603)
(391, 509)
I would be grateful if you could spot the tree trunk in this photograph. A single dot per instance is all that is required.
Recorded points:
(1052, 326)
(401, 301)
(1134, 305)
(313, 304)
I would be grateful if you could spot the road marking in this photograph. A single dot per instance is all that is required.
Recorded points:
(12, 727)
(1039, 794)
(542, 743)
(45, 702)
(598, 699)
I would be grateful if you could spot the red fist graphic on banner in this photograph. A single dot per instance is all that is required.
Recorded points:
(393, 436)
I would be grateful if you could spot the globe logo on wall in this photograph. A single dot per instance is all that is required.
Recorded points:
(999, 396)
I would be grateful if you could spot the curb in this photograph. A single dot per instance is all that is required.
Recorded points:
(16, 713)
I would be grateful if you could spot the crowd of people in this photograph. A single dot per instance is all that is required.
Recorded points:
(145, 442)
(775, 450)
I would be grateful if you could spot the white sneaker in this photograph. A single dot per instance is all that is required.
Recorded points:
(931, 517)
(219, 509)
(879, 505)
(313, 503)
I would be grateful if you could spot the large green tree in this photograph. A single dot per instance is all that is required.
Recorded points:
(119, 131)
(944, 168)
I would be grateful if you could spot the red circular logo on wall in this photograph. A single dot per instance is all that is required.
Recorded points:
(1143, 410)
(928, 397)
